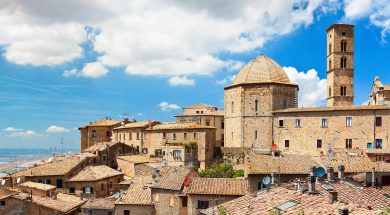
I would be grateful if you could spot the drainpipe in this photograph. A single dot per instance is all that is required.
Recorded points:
(373, 177)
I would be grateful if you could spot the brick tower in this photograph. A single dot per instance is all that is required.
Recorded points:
(340, 69)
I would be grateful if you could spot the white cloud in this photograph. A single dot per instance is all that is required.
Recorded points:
(28, 133)
(378, 12)
(312, 89)
(12, 129)
(56, 129)
(181, 81)
(165, 38)
(226, 81)
(91, 70)
(165, 106)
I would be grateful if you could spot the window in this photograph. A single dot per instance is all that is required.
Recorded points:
(256, 105)
(286, 143)
(222, 140)
(72, 190)
(126, 212)
(343, 46)
(330, 92)
(88, 190)
(44, 181)
(185, 135)
(281, 122)
(174, 136)
(110, 184)
(378, 121)
(203, 204)
(348, 121)
(194, 135)
(330, 64)
(119, 151)
(207, 123)
(59, 183)
(156, 197)
(120, 136)
(232, 107)
(124, 136)
(348, 143)
(145, 136)
(255, 135)
(104, 157)
(222, 125)
(164, 135)
(2, 203)
(324, 123)
(130, 136)
(176, 153)
(343, 90)
(297, 123)
(137, 135)
(378, 143)
(330, 48)
(171, 201)
(232, 135)
(369, 145)
(184, 200)
(343, 62)
(108, 134)
(319, 143)
(93, 133)
(109, 213)
(102, 187)
(197, 111)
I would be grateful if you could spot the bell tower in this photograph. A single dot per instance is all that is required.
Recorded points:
(340, 65)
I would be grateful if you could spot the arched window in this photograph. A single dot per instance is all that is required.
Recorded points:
(255, 135)
(330, 49)
(343, 62)
(330, 91)
(330, 64)
(343, 46)
(343, 90)
(256, 105)
(232, 107)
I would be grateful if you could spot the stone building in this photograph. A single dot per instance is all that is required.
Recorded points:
(162, 135)
(380, 94)
(99, 206)
(133, 134)
(208, 192)
(207, 115)
(136, 201)
(95, 181)
(135, 165)
(260, 88)
(99, 131)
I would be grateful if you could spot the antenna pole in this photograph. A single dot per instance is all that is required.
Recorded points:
(62, 145)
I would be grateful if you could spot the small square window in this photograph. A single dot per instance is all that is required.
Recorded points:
(348, 143)
(369, 145)
(203, 204)
(324, 123)
(348, 121)
(319, 143)
(281, 122)
(287, 143)
(297, 123)
(2, 203)
(378, 121)
(72, 190)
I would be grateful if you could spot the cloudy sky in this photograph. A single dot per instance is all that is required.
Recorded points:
(66, 63)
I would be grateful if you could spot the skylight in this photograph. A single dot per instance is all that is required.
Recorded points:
(286, 205)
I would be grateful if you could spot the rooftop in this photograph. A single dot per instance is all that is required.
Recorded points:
(101, 123)
(38, 186)
(354, 160)
(261, 69)
(95, 173)
(135, 158)
(99, 203)
(219, 112)
(338, 108)
(142, 124)
(199, 106)
(217, 186)
(176, 125)
(137, 194)
(171, 178)
(101, 146)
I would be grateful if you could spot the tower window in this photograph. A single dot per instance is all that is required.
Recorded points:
(330, 91)
(330, 64)
(343, 90)
(343, 62)
(348, 121)
(343, 46)
(232, 107)
(281, 122)
(256, 105)
(348, 143)
(330, 48)
(255, 135)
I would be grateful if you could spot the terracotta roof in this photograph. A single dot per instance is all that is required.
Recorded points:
(137, 194)
(64, 203)
(354, 160)
(217, 186)
(219, 112)
(386, 87)
(177, 125)
(101, 123)
(339, 108)
(171, 178)
(100, 203)
(38, 186)
(135, 158)
(261, 69)
(289, 164)
(59, 166)
(101, 146)
(381, 166)
(137, 124)
(199, 106)
(287, 201)
(95, 173)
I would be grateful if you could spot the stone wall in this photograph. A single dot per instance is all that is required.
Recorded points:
(103, 134)
(135, 209)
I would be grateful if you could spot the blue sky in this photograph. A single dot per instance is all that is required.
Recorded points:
(62, 67)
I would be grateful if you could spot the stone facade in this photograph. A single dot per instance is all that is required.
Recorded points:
(380, 94)
(212, 200)
(248, 112)
(101, 188)
(167, 202)
(363, 128)
(135, 209)
(340, 58)
(99, 131)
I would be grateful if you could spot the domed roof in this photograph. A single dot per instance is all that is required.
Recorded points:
(261, 69)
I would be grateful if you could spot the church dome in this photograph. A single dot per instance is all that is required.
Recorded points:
(261, 69)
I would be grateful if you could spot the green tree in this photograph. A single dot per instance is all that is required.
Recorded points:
(221, 170)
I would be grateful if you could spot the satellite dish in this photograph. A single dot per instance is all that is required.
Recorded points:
(18, 180)
(117, 195)
(319, 172)
(266, 180)
(2, 182)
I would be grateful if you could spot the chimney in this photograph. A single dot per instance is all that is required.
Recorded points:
(81, 196)
(312, 168)
(273, 177)
(332, 196)
(299, 187)
(373, 177)
(55, 195)
(311, 184)
(343, 211)
(341, 172)
(330, 173)
(126, 120)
